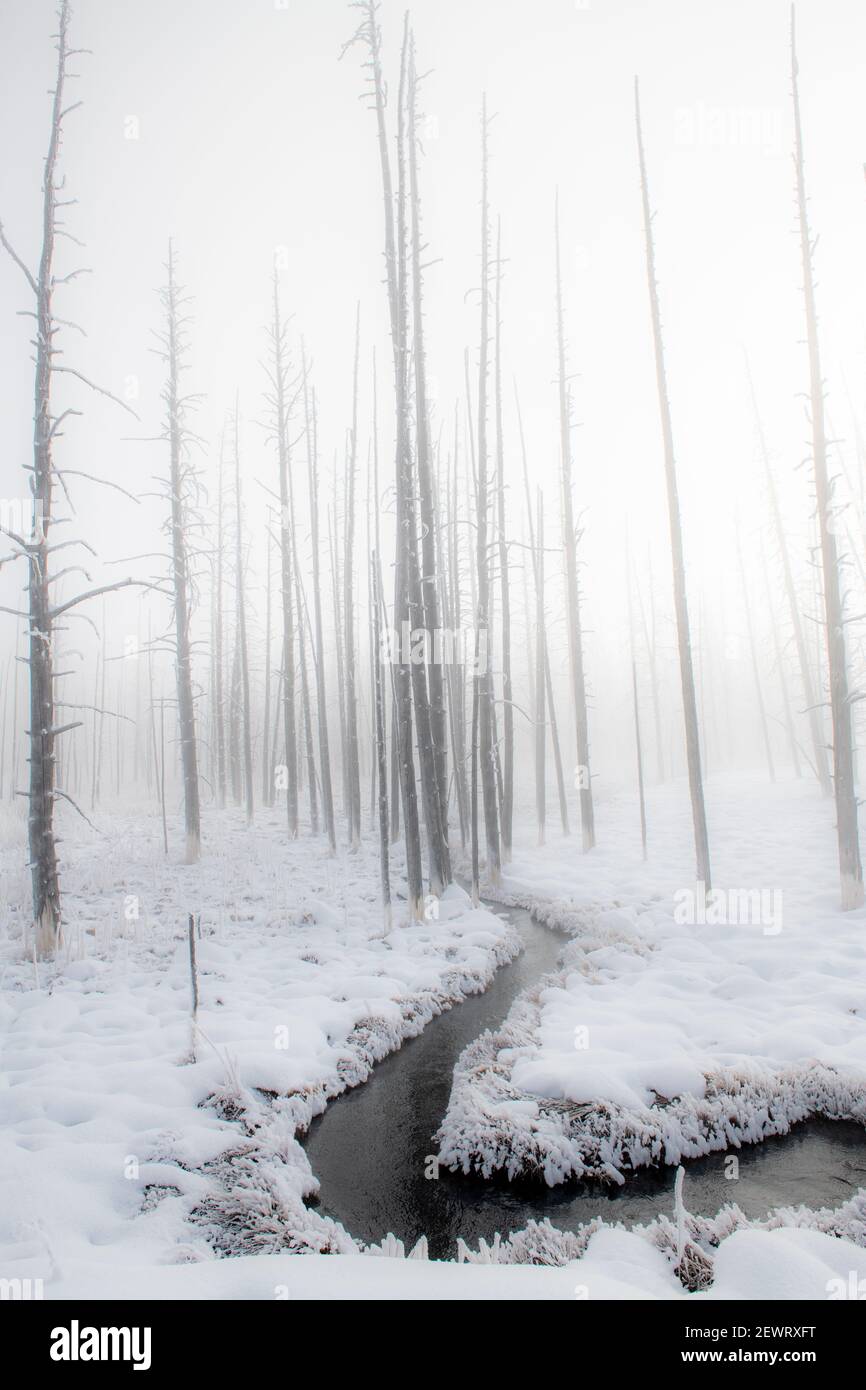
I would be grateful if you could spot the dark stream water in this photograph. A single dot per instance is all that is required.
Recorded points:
(369, 1147)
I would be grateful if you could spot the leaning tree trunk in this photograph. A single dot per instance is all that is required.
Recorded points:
(687, 676)
(850, 867)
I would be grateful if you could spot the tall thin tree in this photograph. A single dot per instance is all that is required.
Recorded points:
(850, 866)
(687, 676)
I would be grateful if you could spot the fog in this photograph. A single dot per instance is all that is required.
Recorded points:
(238, 130)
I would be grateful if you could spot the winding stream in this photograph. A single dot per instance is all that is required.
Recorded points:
(368, 1149)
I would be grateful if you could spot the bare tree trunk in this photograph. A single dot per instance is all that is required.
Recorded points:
(570, 540)
(303, 630)
(456, 673)
(353, 775)
(280, 405)
(338, 641)
(505, 596)
(41, 734)
(483, 693)
(219, 644)
(690, 713)
(548, 680)
(381, 750)
(433, 689)
(649, 632)
(243, 659)
(397, 284)
(267, 773)
(850, 867)
(426, 676)
(179, 488)
(540, 657)
(321, 700)
(819, 746)
(635, 706)
(234, 727)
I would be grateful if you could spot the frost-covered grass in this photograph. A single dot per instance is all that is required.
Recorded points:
(136, 1153)
(662, 1039)
(129, 1138)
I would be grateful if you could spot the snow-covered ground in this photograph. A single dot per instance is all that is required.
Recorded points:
(124, 1137)
(134, 1152)
(676, 1025)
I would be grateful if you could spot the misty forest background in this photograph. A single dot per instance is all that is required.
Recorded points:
(425, 338)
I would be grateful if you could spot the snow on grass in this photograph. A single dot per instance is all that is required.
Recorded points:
(662, 1037)
(134, 1152)
(126, 1138)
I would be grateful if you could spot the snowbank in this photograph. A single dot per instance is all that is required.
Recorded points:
(667, 1034)
(128, 1140)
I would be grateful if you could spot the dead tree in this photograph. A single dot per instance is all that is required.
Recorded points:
(538, 571)
(570, 542)
(369, 35)
(482, 699)
(279, 402)
(850, 867)
(353, 775)
(540, 656)
(381, 747)
(242, 651)
(336, 596)
(429, 694)
(32, 540)
(638, 743)
(456, 670)
(687, 676)
(182, 484)
(218, 719)
(504, 591)
(819, 746)
(311, 430)
(267, 773)
(303, 631)
(648, 625)
(427, 684)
